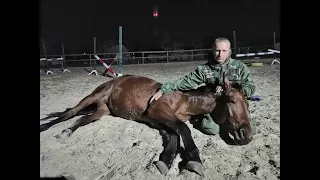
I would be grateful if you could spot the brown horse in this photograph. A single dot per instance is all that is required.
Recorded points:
(61, 177)
(128, 97)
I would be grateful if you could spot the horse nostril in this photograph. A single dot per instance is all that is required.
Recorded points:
(236, 135)
(242, 133)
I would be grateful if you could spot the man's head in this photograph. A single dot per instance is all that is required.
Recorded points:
(221, 49)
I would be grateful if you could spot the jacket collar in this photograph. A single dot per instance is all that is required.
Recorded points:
(214, 63)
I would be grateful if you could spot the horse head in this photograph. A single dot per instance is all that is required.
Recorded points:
(231, 113)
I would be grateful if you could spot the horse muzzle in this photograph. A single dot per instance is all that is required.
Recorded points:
(242, 136)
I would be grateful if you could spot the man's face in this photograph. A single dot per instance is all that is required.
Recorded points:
(222, 51)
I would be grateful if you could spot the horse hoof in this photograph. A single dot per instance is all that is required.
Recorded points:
(162, 167)
(195, 167)
(63, 136)
(43, 127)
(68, 176)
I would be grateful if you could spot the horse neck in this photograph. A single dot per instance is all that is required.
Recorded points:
(202, 104)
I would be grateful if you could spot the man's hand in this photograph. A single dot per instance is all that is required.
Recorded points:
(156, 96)
(219, 89)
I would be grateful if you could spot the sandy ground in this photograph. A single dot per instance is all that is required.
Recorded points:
(115, 148)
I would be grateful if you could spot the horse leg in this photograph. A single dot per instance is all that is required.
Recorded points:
(191, 153)
(64, 176)
(102, 109)
(170, 144)
(71, 113)
(87, 110)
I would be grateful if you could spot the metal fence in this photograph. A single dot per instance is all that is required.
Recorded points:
(141, 57)
(144, 57)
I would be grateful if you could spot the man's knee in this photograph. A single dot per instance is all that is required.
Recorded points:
(208, 126)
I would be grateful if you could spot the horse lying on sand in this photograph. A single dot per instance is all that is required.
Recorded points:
(64, 176)
(128, 97)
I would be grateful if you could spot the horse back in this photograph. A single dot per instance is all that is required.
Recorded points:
(130, 96)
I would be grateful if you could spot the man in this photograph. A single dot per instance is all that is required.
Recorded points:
(212, 75)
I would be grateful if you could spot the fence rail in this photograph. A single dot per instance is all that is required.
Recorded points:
(141, 57)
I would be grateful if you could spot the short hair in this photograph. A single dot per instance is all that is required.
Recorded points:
(220, 39)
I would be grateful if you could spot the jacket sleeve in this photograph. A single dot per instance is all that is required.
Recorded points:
(246, 84)
(189, 81)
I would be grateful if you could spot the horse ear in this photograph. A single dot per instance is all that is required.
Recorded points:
(226, 81)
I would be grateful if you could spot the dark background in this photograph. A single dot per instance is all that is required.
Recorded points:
(298, 127)
(76, 23)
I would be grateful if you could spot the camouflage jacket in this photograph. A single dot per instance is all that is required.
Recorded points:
(212, 75)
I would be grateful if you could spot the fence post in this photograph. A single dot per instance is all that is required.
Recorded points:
(120, 48)
(167, 56)
(274, 44)
(142, 57)
(63, 56)
(95, 52)
(45, 54)
(191, 55)
(234, 44)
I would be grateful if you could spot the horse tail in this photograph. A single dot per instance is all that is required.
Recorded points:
(86, 106)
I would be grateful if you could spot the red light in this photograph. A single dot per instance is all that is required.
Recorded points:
(155, 11)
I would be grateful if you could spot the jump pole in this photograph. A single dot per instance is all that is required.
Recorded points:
(275, 60)
(254, 54)
(94, 62)
(120, 49)
(108, 67)
(270, 51)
